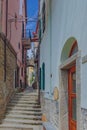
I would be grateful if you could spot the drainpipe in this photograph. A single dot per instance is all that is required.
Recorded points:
(38, 74)
(50, 51)
(1, 9)
(25, 66)
(6, 16)
(5, 41)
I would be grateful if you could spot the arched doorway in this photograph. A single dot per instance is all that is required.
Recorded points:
(70, 86)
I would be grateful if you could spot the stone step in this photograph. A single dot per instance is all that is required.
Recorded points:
(27, 94)
(30, 96)
(24, 113)
(16, 128)
(22, 121)
(20, 124)
(31, 117)
(23, 108)
(25, 98)
(23, 126)
(23, 101)
(21, 111)
(22, 116)
(25, 105)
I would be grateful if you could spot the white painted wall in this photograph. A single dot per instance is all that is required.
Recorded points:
(84, 86)
(68, 19)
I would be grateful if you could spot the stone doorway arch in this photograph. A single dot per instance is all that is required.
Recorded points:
(67, 48)
(67, 61)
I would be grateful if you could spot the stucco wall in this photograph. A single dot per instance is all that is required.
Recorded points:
(14, 29)
(84, 119)
(45, 55)
(67, 19)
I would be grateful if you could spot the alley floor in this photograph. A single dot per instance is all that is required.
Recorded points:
(23, 113)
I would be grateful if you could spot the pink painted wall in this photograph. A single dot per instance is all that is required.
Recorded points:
(4, 16)
(14, 29)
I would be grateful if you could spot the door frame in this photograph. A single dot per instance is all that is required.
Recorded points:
(63, 90)
(70, 96)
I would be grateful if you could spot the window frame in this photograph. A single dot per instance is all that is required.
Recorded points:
(72, 48)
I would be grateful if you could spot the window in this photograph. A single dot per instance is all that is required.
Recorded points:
(22, 29)
(43, 17)
(19, 45)
(40, 80)
(43, 76)
(15, 20)
(74, 49)
(22, 54)
(22, 71)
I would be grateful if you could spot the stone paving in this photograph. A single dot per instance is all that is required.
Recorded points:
(23, 113)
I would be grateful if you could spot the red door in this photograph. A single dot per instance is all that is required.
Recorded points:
(72, 98)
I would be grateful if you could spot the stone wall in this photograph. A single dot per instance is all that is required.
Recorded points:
(6, 84)
(51, 110)
(63, 107)
(84, 119)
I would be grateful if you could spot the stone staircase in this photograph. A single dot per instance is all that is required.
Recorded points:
(23, 113)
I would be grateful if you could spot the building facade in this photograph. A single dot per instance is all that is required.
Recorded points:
(13, 24)
(12, 51)
(63, 63)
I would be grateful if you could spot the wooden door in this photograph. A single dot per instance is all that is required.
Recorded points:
(72, 99)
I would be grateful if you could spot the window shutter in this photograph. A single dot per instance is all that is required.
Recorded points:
(23, 30)
(43, 16)
(40, 80)
(43, 76)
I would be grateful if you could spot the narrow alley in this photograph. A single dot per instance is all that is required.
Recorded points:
(23, 112)
(43, 64)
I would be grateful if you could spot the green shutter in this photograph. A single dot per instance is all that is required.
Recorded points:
(43, 76)
(40, 79)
